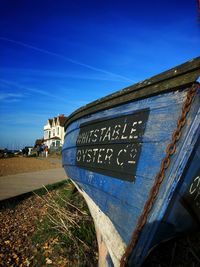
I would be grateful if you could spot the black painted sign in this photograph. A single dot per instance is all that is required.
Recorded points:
(112, 147)
(192, 195)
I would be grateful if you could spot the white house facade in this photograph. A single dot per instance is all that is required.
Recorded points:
(54, 131)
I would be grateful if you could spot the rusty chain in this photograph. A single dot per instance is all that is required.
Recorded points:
(170, 150)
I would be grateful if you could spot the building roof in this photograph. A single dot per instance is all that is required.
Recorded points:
(50, 121)
(62, 120)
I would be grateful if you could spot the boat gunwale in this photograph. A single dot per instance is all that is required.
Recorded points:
(176, 78)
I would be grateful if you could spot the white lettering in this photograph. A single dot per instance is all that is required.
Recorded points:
(89, 159)
(95, 150)
(107, 135)
(79, 139)
(109, 154)
(102, 131)
(90, 135)
(133, 130)
(131, 162)
(120, 163)
(84, 154)
(84, 137)
(193, 188)
(124, 130)
(115, 134)
(95, 136)
(78, 156)
(100, 155)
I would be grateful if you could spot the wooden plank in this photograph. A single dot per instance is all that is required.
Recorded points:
(119, 204)
(114, 199)
(178, 77)
(155, 139)
(154, 103)
(164, 112)
(173, 177)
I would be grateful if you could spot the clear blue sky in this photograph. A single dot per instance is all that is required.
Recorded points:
(56, 56)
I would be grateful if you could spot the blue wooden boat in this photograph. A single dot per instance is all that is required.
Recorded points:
(135, 157)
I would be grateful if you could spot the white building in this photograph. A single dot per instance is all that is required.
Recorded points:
(54, 131)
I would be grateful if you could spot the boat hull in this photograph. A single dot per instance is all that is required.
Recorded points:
(114, 155)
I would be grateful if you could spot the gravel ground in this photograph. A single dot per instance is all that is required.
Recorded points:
(29, 239)
(22, 164)
(17, 226)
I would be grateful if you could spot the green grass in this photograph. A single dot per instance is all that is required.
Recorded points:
(44, 232)
(67, 208)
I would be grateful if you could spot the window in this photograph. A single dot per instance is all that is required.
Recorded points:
(53, 132)
(57, 143)
(58, 130)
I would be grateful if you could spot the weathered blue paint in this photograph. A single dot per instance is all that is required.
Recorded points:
(169, 188)
(123, 201)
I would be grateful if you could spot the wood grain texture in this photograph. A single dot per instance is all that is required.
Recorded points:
(122, 201)
(125, 196)
(178, 77)
(173, 178)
